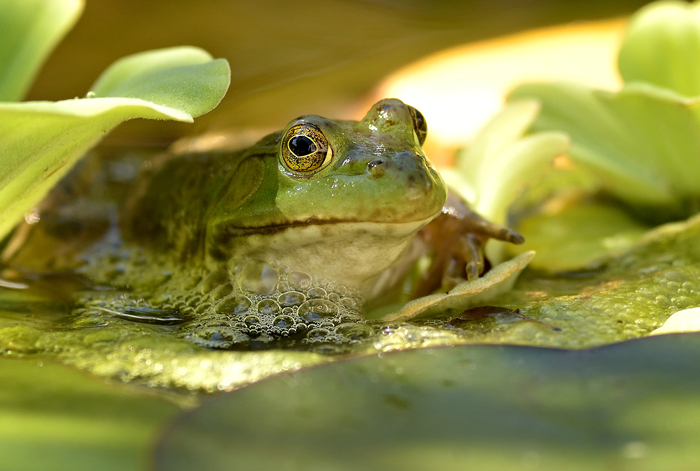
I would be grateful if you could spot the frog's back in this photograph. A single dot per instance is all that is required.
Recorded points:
(176, 195)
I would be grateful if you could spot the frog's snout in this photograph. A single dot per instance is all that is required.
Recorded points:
(408, 169)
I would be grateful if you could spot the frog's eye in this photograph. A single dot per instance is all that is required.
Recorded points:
(305, 149)
(420, 126)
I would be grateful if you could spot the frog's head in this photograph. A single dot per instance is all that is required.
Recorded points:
(323, 192)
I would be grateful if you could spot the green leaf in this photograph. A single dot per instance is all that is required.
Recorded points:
(495, 170)
(465, 295)
(662, 47)
(629, 406)
(501, 161)
(592, 232)
(53, 417)
(517, 165)
(29, 30)
(642, 142)
(186, 78)
(509, 125)
(41, 141)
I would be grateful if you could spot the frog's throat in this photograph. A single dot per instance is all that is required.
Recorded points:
(351, 253)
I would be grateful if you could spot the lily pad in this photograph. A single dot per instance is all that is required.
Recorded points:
(54, 417)
(151, 356)
(629, 406)
(625, 297)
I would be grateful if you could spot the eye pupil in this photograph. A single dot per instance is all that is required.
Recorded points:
(302, 145)
(305, 149)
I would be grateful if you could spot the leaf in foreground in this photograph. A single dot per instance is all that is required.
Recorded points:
(466, 295)
(29, 30)
(628, 406)
(41, 141)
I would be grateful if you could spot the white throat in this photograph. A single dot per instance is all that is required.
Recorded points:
(353, 254)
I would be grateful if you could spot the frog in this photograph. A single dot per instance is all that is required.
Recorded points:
(286, 242)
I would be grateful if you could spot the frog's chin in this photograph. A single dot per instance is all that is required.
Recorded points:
(354, 254)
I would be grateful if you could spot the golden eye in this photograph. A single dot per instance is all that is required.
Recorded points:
(420, 126)
(305, 149)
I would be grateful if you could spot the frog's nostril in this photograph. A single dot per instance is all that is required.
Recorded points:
(376, 167)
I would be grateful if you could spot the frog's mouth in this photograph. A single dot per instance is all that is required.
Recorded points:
(327, 226)
(322, 235)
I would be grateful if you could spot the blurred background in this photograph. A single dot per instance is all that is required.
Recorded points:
(328, 57)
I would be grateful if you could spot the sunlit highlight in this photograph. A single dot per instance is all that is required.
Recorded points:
(459, 89)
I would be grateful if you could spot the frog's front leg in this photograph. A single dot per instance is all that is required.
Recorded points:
(456, 241)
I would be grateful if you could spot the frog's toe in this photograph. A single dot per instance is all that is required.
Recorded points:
(509, 235)
(473, 270)
(472, 253)
(495, 231)
(456, 241)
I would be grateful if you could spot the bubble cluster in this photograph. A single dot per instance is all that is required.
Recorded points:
(270, 306)
(255, 305)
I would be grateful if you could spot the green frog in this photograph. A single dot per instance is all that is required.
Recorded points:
(287, 241)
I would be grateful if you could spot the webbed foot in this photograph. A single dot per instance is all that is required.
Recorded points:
(456, 239)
